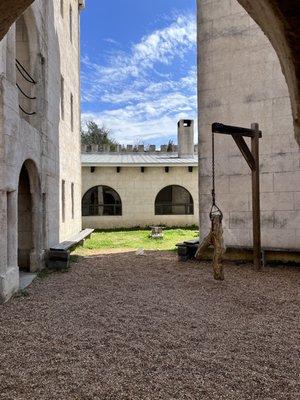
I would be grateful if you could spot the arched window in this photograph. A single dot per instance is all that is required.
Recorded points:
(174, 200)
(101, 200)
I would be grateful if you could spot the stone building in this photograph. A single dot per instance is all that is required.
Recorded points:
(240, 82)
(40, 178)
(142, 188)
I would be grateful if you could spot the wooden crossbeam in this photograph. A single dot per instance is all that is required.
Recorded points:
(242, 145)
(230, 130)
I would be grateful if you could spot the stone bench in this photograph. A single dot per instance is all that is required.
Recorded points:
(59, 255)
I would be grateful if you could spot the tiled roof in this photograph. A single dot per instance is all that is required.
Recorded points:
(139, 160)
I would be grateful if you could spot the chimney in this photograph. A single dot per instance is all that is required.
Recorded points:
(185, 138)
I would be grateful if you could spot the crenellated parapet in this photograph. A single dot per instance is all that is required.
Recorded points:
(130, 149)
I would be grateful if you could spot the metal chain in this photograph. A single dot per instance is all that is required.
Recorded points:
(213, 192)
(214, 208)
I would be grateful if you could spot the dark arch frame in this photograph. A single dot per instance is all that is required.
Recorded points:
(166, 203)
(110, 205)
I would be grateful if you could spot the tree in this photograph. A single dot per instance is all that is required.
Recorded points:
(94, 134)
(170, 145)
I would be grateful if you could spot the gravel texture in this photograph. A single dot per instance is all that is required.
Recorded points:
(122, 326)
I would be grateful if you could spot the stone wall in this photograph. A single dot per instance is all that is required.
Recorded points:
(240, 82)
(70, 141)
(138, 192)
(40, 141)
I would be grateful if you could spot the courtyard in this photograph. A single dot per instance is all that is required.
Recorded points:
(124, 326)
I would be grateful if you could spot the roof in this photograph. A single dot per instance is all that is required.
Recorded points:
(136, 160)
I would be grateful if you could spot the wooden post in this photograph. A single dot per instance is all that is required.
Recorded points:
(256, 198)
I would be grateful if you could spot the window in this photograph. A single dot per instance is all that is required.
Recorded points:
(62, 97)
(72, 199)
(72, 112)
(174, 200)
(101, 201)
(71, 23)
(63, 200)
(62, 8)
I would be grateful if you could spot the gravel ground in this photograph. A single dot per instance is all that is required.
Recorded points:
(123, 326)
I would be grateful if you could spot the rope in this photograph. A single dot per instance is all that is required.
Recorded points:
(214, 208)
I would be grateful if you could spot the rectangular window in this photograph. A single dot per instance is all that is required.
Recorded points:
(63, 200)
(72, 112)
(62, 97)
(62, 8)
(72, 199)
(71, 23)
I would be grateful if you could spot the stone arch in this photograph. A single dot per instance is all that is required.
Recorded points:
(174, 200)
(101, 201)
(280, 21)
(29, 218)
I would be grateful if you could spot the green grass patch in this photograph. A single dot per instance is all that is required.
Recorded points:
(133, 239)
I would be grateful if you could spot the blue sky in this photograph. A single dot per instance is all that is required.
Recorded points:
(138, 67)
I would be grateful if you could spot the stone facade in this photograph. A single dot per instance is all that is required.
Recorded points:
(31, 201)
(240, 82)
(138, 177)
(138, 191)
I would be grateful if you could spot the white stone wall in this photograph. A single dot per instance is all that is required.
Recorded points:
(42, 138)
(240, 82)
(70, 141)
(138, 192)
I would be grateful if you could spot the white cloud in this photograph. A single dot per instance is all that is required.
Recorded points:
(140, 99)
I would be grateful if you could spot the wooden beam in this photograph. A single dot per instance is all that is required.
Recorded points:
(229, 130)
(256, 200)
(242, 145)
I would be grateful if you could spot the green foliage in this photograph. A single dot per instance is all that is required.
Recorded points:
(135, 239)
(170, 145)
(94, 134)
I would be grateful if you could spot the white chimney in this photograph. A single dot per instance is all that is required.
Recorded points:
(185, 138)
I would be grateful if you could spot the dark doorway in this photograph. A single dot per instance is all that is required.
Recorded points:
(25, 225)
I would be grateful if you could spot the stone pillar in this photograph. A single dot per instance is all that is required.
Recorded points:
(12, 229)
(36, 254)
(3, 237)
(9, 271)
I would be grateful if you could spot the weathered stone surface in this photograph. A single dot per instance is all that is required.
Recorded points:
(240, 82)
(138, 202)
(40, 39)
(280, 21)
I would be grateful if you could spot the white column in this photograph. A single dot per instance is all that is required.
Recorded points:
(9, 271)
(12, 229)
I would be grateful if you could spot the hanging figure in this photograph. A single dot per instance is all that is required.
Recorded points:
(215, 236)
